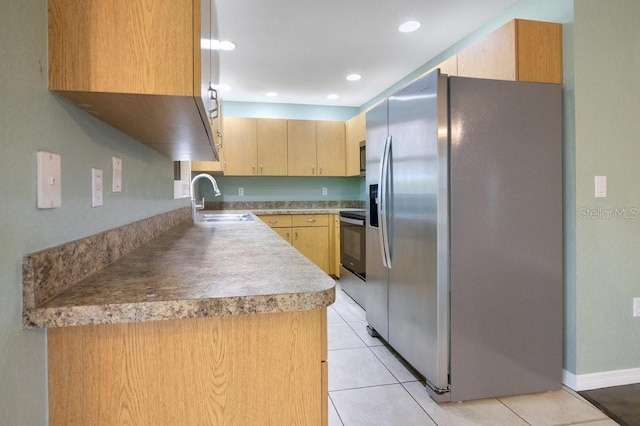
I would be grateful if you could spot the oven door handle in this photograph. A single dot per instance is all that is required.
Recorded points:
(359, 222)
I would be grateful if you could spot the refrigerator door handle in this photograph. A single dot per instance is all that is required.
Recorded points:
(382, 206)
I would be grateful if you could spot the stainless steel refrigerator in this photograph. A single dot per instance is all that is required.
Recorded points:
(464, 233)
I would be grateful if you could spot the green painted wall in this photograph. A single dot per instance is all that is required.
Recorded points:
(33, 119)
(284, 188)
(607, 107)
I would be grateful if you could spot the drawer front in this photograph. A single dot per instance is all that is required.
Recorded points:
(277, 220)
(310, 220)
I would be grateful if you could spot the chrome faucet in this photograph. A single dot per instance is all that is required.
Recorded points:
(195, 206)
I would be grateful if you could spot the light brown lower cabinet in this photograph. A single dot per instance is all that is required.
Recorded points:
(232, 370)
(309, 234)
(313, 242)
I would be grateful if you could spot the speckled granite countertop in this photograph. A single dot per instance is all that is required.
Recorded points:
(300, 211)
(194, 270)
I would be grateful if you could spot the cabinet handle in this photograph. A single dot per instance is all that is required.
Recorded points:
(219, 146)
(253, 166)
(296, 234)
(273, 221)
(320, 169)
(261, 169)
(224, 167)
(311, 220)
(288, 235)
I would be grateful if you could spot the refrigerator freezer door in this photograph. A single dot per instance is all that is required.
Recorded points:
(418, 302)
(377, 274)
(506, 237)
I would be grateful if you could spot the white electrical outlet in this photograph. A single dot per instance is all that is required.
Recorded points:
(116, 183)
(49, 186)
(636, 306)
(96, 188)
(241, 192)
(324, 191)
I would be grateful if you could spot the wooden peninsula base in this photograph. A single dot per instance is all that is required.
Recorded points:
(234, 370)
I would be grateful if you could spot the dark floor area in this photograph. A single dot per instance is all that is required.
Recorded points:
(621, 403)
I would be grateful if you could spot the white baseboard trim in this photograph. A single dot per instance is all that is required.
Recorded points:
(604, 379)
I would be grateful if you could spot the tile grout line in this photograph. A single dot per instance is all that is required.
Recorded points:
(335, 408)
(419, 405)
(509, 408)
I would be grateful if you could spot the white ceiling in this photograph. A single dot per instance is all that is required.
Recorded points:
(304, 49)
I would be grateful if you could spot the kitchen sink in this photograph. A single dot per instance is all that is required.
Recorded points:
(224, 217)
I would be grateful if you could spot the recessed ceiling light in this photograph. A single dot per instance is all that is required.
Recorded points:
(271, 94)
(333, 96)
(226, 45)
(223, 87)
(205, 43)
(354, 77)
(409, 26)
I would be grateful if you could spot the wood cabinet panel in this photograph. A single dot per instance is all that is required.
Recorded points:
(277, 220)
(313, 242)
(236, 370)
(240, 145)
(301, 147)
(285, 233)
(330, 148)
(539, 51)
(310, 220)
(115, 47)
(315, 245)
(355, 131)
(272, 147)
(519, 50)
(136, 65)
(492, 57)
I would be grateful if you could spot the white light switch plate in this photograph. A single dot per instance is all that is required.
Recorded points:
(324, 191)
(116, 184)
(241, 192)
(96, 188)
(49, 187)
(636, 306)
(601, 186)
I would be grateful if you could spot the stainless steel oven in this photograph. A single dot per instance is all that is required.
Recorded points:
(353, 255)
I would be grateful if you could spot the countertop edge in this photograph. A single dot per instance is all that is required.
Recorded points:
(177, 309)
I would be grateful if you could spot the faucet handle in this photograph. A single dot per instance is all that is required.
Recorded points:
(199, 205)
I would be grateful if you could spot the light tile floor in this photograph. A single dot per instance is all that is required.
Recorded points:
(370, 385)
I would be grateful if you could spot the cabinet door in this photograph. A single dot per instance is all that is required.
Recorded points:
(331, 148)
(519, 50)
(313, 242)
(355, 132)
(240, 146)
(272, 147)
(301, 147)
(284, 233)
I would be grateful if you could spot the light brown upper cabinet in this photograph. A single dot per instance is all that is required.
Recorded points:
(330, 148)
(255, 147)
(355, 129)
(301, 147)
(272, 147)
(139, 66)
(316, 148)
(449, 66)
(240, 146)
(520, 50)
